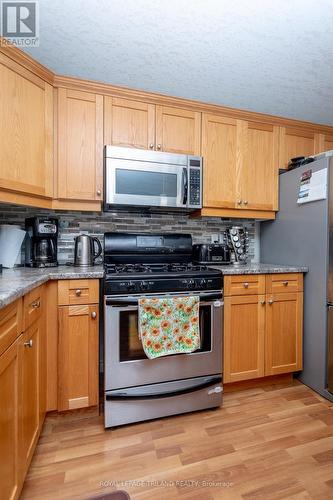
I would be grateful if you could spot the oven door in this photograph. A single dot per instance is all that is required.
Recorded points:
(140, 183)
(126, 364)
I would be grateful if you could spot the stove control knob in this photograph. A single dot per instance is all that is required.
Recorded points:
(203, 283)
(191, 284)
(130, 286)
(144, 285)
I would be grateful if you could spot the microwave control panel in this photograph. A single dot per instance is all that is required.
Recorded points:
(195, 187)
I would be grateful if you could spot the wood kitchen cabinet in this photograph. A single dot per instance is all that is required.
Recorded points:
(10, 476)
(128, 123)
(178, 130)
(80, 146)
(296, 141)
(78, 344)
(262, 325)
(244, 337)
(137, 124)
(240, 164)
(26, 135)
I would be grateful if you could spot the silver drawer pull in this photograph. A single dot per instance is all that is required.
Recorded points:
(78, 292)
(246, 285)
(28, 344)
(94, 315)
(35, 305)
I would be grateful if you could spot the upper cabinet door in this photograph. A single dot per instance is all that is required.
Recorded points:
(26, 131)
(178, 130)
(295, 142)
(80, 145)
(129, 123)
(219, 151)
(258, 183)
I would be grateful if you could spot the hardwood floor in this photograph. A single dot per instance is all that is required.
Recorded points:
(273, 442)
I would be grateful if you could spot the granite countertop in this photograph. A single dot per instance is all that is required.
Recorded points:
(15, 283)
(259, 269)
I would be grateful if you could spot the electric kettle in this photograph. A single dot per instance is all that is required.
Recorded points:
(85, 252)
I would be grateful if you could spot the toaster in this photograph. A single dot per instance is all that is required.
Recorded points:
(209, 253)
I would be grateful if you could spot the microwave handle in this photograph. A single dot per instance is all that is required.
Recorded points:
(184, 186)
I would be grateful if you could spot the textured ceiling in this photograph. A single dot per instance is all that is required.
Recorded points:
(270, 56)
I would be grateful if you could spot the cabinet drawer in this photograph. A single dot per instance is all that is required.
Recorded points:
(76, 292)
(250, 284)
(10, 324)
(32, 305)
(276, 283)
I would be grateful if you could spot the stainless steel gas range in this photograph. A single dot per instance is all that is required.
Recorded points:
(138, 388)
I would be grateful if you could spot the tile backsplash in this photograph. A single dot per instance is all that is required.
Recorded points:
(72, 224)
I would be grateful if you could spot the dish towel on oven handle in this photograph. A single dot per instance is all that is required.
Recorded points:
(169, 325)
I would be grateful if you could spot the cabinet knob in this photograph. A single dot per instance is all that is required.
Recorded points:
(246, 285)
(262, 302)
(285, 283)
(245, 202)
(35, 305)
(94, 315)
(270, 302)
(239, 202)
(98, 192)
(158, 146)
(29, 343)
(151, 146)
(78, 292)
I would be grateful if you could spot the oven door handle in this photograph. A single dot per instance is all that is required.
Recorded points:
(120, 301)
(122, 394)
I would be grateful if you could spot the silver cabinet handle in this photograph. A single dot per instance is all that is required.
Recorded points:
(29, 343)
(94, 315)
(78, 292)
(246, 285)
(239, 202)
(98, 192)
(285, 283)
(35, 305)
(262, 302)
(151, 146)
(245, 202)
(158, 146)
(270, 302)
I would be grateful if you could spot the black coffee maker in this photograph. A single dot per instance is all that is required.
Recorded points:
(41, 242)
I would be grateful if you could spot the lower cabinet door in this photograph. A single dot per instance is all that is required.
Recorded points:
(29, 392)
(244, 342)
(78, 357)
(10, 479)
(284, 331)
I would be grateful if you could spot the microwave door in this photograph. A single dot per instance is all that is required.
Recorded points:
(139, 183)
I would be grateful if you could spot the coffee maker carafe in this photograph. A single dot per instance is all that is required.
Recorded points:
(41, 242)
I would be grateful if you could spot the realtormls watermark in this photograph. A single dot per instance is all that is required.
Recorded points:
(184, 483)
(19, 23)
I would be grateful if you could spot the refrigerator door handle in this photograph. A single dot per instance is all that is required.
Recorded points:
(330, 349)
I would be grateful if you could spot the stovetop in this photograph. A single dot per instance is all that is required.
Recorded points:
(153, 270)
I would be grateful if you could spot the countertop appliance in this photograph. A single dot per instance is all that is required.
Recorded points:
(143, 178)
(41, 242)
(211, 253)
(137, 388)
(85, 252)
(302, 234)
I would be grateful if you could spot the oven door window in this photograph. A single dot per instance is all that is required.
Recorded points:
(130, 347)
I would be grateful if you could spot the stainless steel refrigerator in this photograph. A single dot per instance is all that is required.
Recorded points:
(303, 234)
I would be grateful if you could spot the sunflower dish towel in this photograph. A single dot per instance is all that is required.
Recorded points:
(169, 325)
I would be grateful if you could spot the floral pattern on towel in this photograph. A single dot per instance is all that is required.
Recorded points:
(169, 325)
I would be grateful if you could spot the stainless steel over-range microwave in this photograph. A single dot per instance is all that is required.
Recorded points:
(140, 178)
